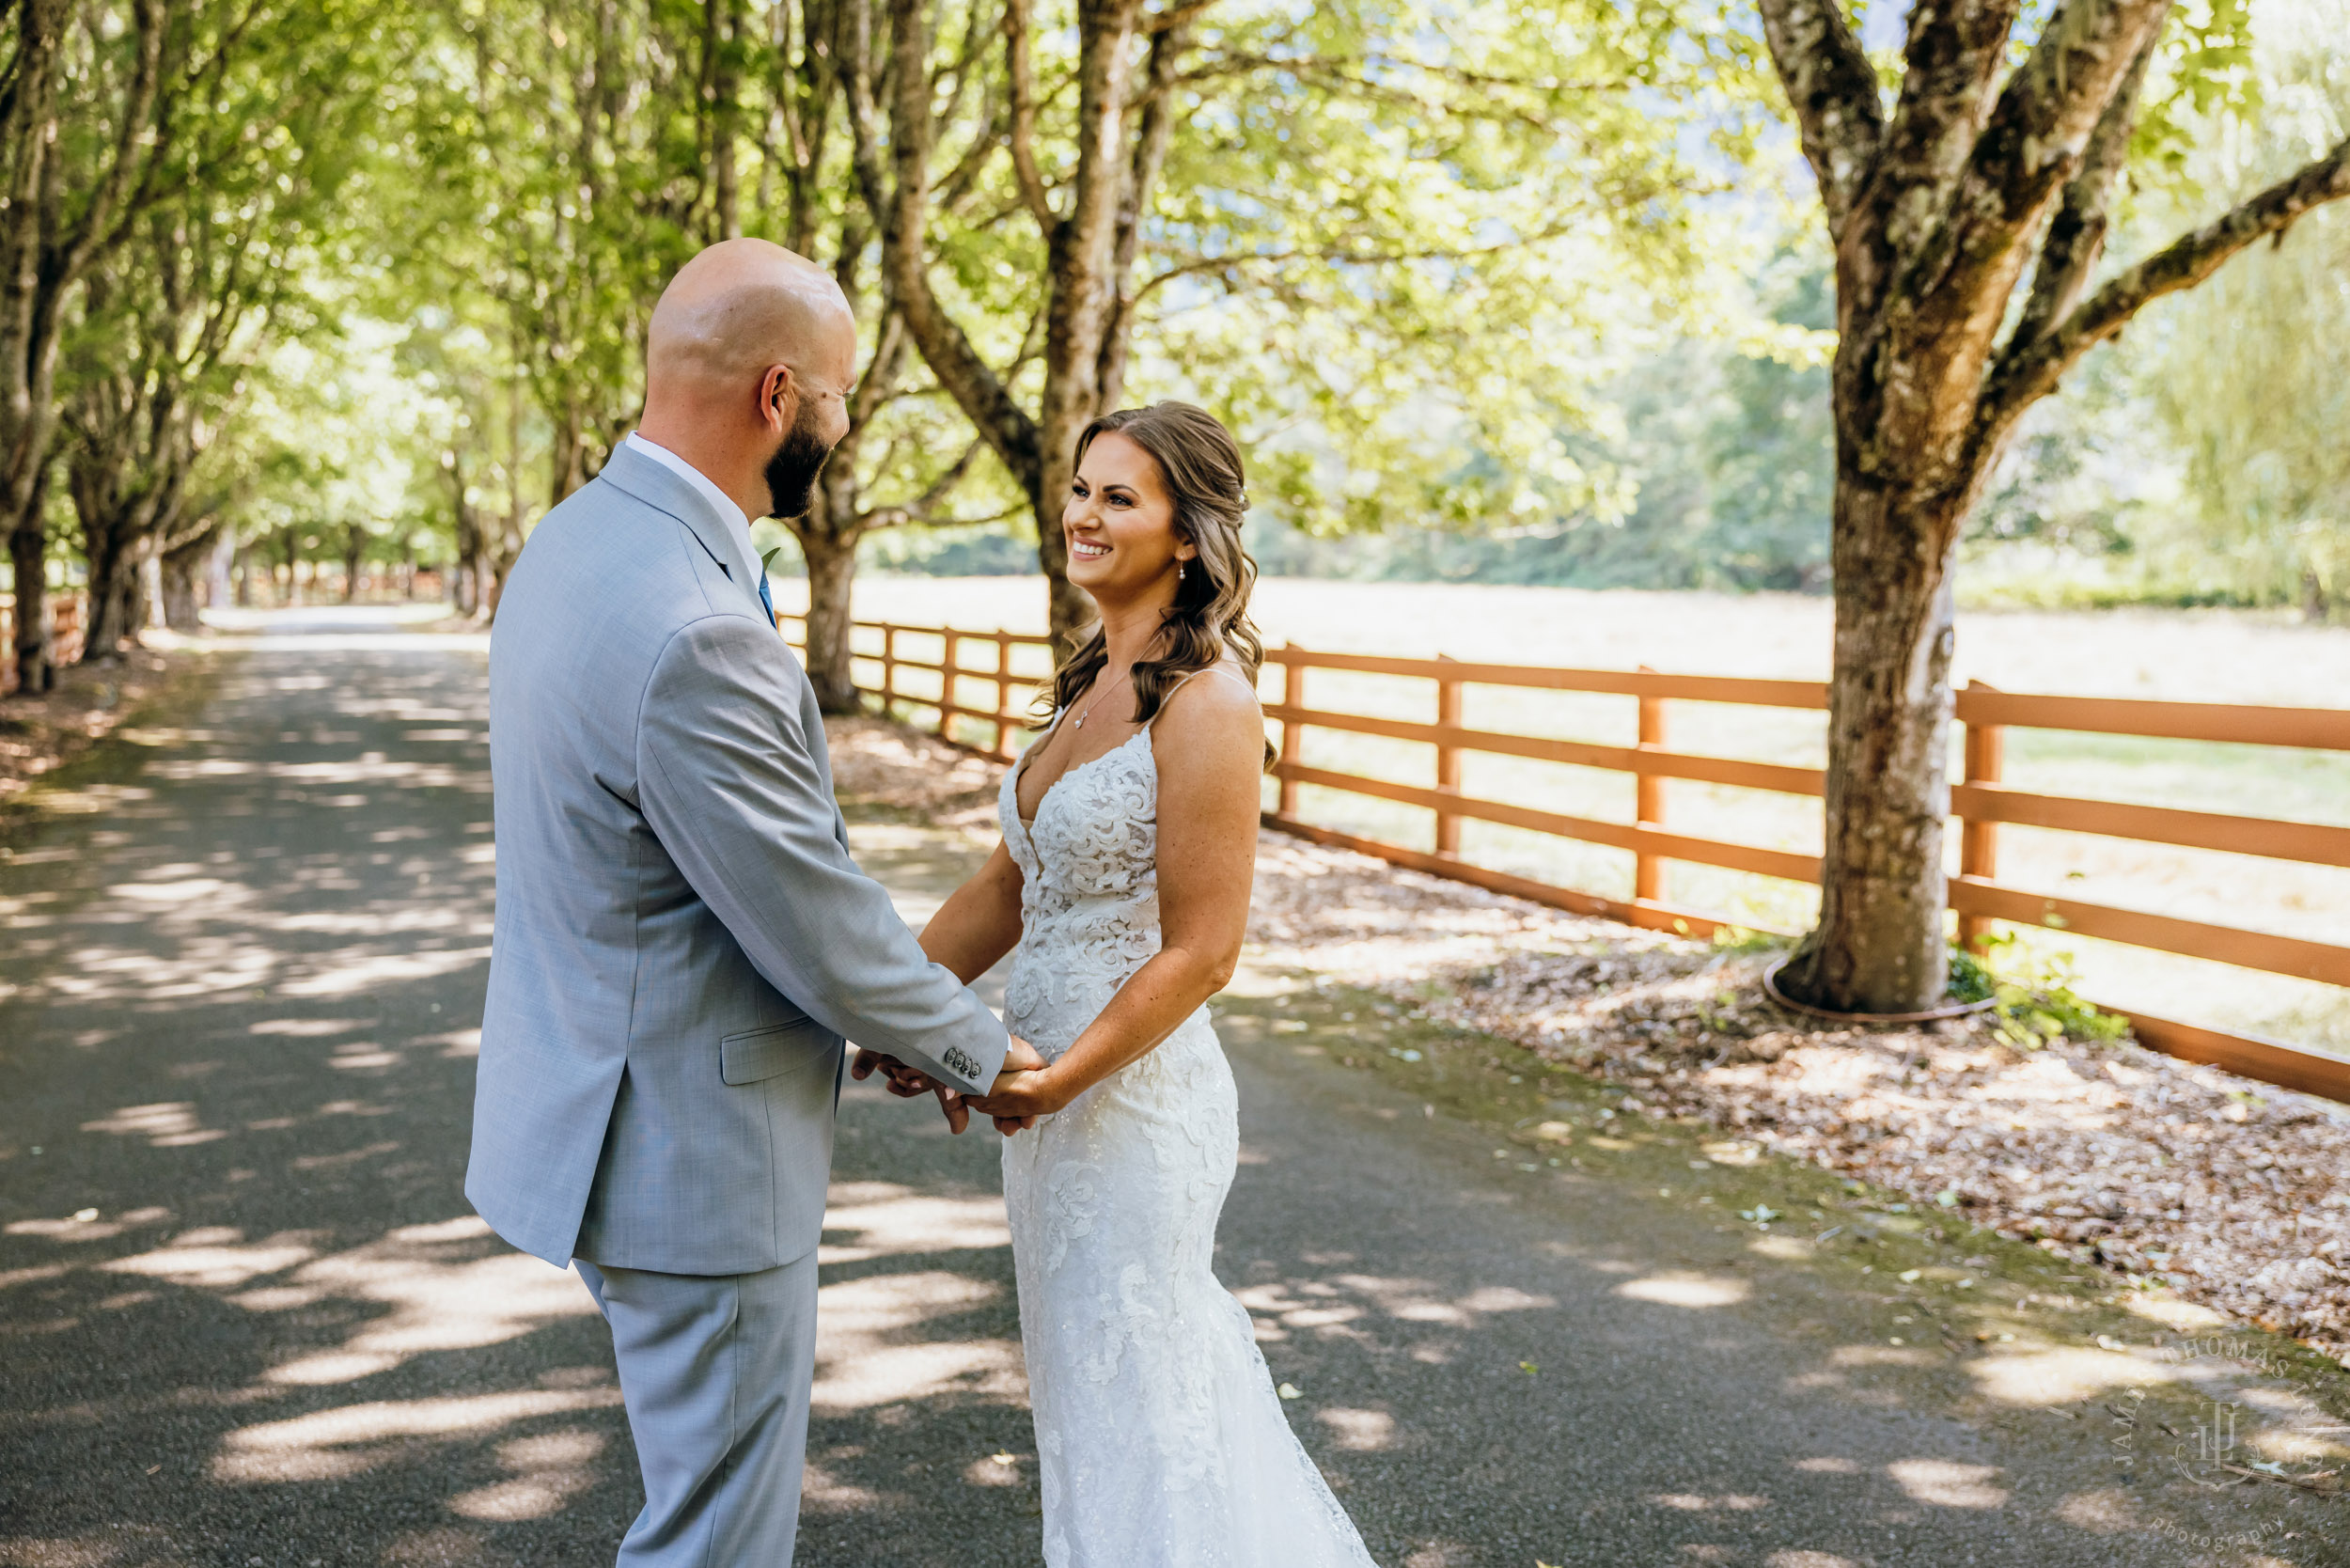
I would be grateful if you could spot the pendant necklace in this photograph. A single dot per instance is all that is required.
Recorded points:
(1097, 701)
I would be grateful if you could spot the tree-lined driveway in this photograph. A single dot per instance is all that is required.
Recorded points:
(246, 1316)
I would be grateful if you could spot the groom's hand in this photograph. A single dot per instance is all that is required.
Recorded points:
(903, 1081)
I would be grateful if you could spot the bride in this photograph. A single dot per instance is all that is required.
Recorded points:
(1130, 833)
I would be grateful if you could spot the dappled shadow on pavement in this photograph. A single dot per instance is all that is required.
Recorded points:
(245, 1313)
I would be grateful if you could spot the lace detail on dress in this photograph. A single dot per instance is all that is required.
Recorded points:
(1161, 1442)
(1089, 893)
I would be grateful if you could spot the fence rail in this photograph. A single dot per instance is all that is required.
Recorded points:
(67, 613)
(1981, 801)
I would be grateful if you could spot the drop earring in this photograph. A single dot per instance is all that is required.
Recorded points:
(1179, 573)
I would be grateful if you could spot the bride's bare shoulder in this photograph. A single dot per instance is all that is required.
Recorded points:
(1222, 688)
(1216, 708)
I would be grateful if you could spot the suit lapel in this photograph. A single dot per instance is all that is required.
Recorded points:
(655, 485)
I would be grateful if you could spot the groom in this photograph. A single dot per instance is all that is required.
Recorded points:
(683, 941)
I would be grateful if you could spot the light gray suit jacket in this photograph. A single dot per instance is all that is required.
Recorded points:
(683, 941)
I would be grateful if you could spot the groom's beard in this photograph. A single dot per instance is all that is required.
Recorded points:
(792, 472)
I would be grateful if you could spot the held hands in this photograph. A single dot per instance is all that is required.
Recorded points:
(1019, 1096)
(1015, 1101)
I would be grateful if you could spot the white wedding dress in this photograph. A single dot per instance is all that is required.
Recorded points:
(1160, 1439)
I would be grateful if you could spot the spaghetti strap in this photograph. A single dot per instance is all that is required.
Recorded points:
(1207, 669)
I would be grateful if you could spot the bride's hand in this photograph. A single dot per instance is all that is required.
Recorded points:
(1019, 1097)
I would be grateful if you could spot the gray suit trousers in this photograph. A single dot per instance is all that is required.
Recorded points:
(714, 1370)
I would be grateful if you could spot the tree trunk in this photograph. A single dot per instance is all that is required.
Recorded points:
(182, 613)
(29, 552)
(224, 556)
(147, 592)
(115, 599)
(1071, 607)
(354, 550)
(182, 609)
(567, 462)
(470, 584)
(721, 92)
(831, 578)
(511, 542)
(1880, 946)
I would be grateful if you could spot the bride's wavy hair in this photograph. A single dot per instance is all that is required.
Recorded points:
(1200, 464)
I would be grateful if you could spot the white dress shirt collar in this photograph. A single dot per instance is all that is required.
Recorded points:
(732, 514)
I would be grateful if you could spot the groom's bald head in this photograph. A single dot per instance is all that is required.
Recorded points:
(747, 364)
(742, 305)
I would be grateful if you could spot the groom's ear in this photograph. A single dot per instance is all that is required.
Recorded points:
(776, 396)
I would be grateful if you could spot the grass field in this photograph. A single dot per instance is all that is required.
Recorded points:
(2207, 656)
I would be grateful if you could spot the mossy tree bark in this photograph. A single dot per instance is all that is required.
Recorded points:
(1975, 179)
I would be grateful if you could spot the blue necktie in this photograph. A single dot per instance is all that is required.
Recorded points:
(766, 603)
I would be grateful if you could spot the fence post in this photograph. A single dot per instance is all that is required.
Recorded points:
(1648, 870)
(1447, 762)
(1292, 732)
(1979, 842)
(1003, 695)
(889, 669)
(949, 660)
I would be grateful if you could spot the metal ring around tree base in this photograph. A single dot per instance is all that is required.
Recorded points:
(1953, 1010)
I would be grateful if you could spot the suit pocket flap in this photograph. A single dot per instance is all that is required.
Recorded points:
(756, 1055)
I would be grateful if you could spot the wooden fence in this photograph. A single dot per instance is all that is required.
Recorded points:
(1980, 800)
(67, 612)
